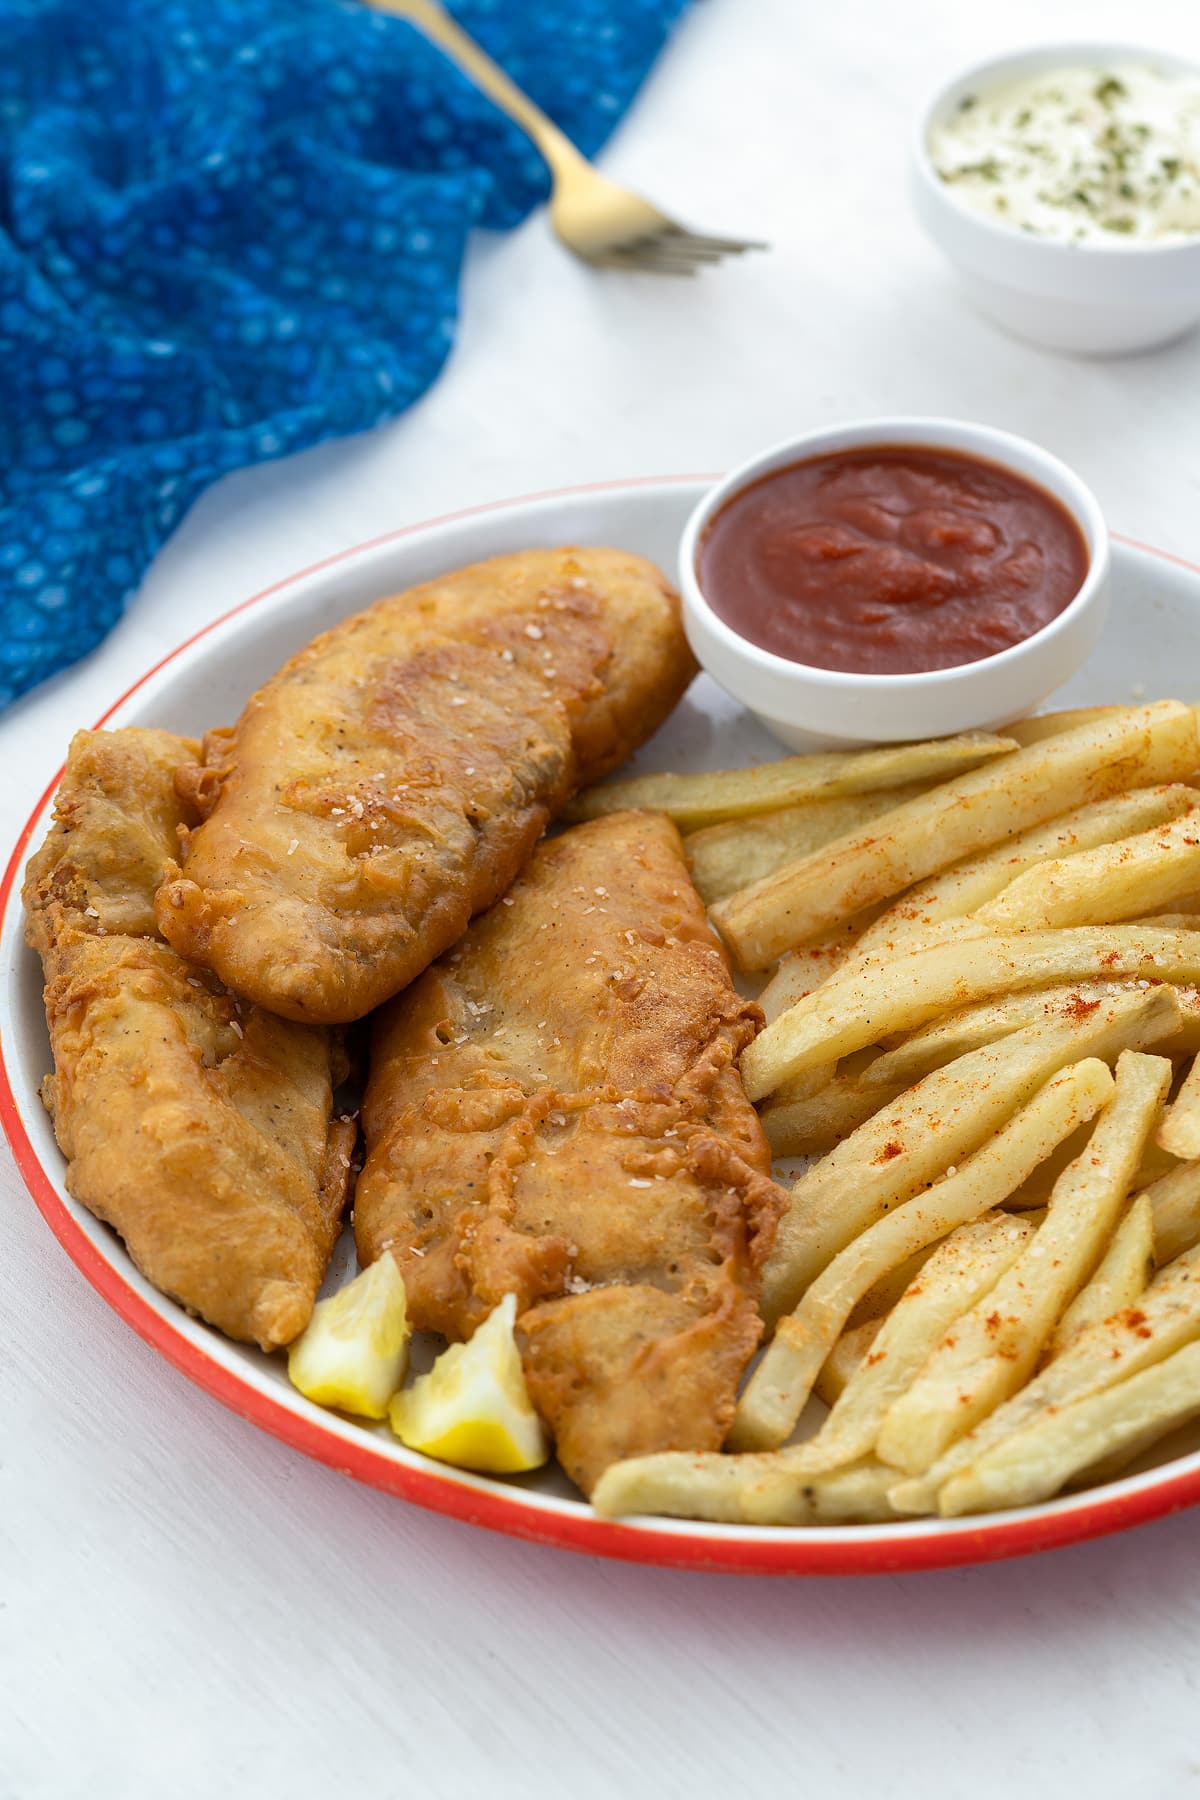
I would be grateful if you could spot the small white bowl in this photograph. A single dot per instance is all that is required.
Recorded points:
(809, 708)
(1086, 298)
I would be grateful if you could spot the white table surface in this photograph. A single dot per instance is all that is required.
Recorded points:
(187, 1607)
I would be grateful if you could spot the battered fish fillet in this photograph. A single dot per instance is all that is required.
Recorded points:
(554, 1110)
(196, 1126)
(394, 777)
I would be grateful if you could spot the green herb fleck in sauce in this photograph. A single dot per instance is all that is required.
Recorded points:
(1082, 154)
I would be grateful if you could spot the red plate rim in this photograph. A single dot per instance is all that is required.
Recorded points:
(891, 1549)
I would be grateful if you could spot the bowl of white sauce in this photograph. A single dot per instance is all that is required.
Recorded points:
(1063, 184)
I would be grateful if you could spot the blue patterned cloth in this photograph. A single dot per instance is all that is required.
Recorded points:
(228, 229)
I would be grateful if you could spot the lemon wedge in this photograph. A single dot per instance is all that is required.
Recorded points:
(473, 1408)
(354, 1351)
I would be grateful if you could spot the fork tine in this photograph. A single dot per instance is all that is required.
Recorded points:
(661, 250)
(684, 252)
(645, 263)
(689, 265)
(673, 240)
(672, 250)
(714, 247)
(697, 241)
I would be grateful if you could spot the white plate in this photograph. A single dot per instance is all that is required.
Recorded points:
(1153, 641)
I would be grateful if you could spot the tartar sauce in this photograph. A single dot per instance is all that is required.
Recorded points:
(1085, 155)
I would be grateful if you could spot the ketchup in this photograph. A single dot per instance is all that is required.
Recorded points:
(890, 561)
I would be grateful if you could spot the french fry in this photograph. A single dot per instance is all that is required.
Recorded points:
(1117, 1424)
(844, 1359)
(1166, 1317)
(1179, 1133)
(708, 798)
(880, 1298)
(1116, 1460)
(811, 1124)
(1036, 1192)
(959, 1033)
(1186, 1040)
(871, 999)
(1140, 747)
(993, 1348)
(806, 1085)
(1121, 1278)
(1175, 1204)
(884, 1294)
(1115, 881)
(772, 1401)
(1053, 724)
(1184, 915)
(1155, 1163)
(968, 885)
(962, 1270)
(1188, 905)
(723, 858)
(944, 1118)
(743, 1490)
(800, 971)
(967, 1026)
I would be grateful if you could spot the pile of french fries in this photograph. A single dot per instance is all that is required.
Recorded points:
(982, 992)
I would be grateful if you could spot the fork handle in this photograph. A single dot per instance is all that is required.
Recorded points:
(449, 36)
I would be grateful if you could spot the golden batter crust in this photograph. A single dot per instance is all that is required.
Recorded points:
(554, 1110)
(195, 1124)
(394, 777)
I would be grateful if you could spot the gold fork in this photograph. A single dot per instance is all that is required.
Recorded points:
(601, 222)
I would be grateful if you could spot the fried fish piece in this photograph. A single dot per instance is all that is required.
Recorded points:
(554, 1110)
(197, 1126)
(393, 778)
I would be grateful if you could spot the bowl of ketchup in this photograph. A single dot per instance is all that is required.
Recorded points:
(895, 579)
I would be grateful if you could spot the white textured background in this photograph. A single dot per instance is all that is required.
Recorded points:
(186, 1607)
